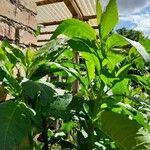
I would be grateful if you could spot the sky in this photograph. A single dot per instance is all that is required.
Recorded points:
(134, 14)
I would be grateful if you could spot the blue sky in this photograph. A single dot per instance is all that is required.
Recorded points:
(134, 14)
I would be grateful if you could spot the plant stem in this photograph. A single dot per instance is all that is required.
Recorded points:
(44, 133)
(89, 140)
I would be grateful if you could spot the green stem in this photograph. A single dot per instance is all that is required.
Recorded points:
(44, 133)
(90, 141)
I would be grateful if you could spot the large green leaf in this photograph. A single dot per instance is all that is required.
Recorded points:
(116, 40)
(39, 90)
(75, 28)
(15, 118)
(127, 134)
(121, 87)
(113, 59)
(140, 49)
(98, 11)
(92, 63)
(60, 104)
(109, 18)
(48, 52)
(14, 52)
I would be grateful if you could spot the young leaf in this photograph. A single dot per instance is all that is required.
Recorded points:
(109, 18)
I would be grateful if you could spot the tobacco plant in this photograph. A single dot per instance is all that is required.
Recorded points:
(111, 109)
(113, 101)
(32, 101)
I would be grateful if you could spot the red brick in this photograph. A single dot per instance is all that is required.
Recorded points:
(7, 31)
(11, 11)
(27, 38)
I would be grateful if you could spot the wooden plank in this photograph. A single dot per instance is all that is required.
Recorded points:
(73, 8)
(95, 27)
(87, 18)
(51, 23)
(44, 40)
(45, 2)
(47, 32)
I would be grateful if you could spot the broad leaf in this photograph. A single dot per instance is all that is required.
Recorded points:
(48, 52)
(14, 52)
(109, 18)
(75, 28)
(140, 49)
(37, 90)
(127, 134)
(15, 118)
(112, 59)
(98, 11)
(91, 63)
(59, 105)
(116, 40)
(121, 87)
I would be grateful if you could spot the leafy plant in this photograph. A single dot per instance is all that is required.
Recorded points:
(106, 79)
(32, 99)
(111, 109)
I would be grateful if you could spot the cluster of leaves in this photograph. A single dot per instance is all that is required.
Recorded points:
(111, 109)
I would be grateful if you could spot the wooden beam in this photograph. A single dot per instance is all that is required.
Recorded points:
(51, 23)
(45, 2)
(87, 18)
(95, 27)
(73, 8)
(44, 40)
(47, 32)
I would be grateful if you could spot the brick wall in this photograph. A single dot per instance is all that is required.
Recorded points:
(18, 21)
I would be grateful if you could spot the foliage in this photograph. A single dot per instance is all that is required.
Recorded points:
(111, 109)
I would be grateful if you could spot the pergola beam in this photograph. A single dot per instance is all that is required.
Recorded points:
(73, 8)
(85, 18)
(47, 32)
(51, 23)
(45, 2)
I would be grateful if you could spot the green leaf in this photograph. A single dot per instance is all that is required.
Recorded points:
(48, 52)
(109, 18)
(66, 144)
(15, 118)
(68, 126)
(146, 44)
(37, 90)
(127, 134)
(116, 40)
(98, 11)
(90, 65)
(11, 84)
(112, 59)
(14, 52)
(75, 28)
(123, 71)
(140, 49)
(29, 55)
(121, 87)
(59, 105)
